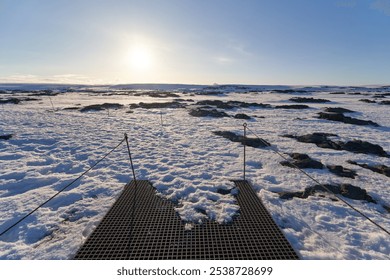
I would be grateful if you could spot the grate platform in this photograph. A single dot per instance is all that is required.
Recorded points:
(158, 233)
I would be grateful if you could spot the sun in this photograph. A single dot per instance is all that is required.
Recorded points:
(139, 58)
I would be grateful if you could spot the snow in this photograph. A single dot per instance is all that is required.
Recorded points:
(186, 163)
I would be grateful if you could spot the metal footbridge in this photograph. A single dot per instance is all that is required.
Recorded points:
(148, 228)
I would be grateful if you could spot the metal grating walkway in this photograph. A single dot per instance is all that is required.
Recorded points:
(158, 232)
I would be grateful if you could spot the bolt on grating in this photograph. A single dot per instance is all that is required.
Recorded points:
(156, 232)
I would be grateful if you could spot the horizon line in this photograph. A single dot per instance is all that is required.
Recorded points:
(187, 84)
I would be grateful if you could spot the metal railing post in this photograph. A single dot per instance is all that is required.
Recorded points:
(244, 142)
(135, 193)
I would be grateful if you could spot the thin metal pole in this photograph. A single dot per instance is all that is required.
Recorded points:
(135, 191)
(131, 160)
(52, 105)
(244, 142)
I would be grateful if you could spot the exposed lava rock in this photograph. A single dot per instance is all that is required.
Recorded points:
(224, 191)
(342, 171)
(318, 138)
(242, 117)
(100, 107)
(338, 110)
(283, 91)
(205, 112)
(157, 105)
(46, 92)
(382, 95)
(363, 147)
(293, 106)
(355, 146)
(157, 94)
(367, 100)
(10, 101)
(252, 142)
(339, 117)
(309, 100)
(209, 92)
(302, 161)
(231, 104)
(380, 168)
(6, 136)
(345, 190)
(71, 108)
(14, 100)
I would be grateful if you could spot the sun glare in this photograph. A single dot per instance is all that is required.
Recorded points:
(139, 58)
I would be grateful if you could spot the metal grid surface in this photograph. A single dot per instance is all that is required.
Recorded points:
(154, 231)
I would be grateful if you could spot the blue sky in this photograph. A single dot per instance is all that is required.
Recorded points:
(300, 42)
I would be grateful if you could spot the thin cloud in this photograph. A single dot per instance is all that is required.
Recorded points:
(58, 79)
(224, 60)
(382, 6)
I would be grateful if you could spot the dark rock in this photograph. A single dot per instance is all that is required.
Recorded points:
(217, 103)
(349, 191)
(10, 101)
(367, 100)
(302, 161)
(354, 93)
(124, 93)
(100, 107)
(200, 210)
(293, 106)
(231, 104)
(157, 94)
(345, 190)
(14, 100)
(355, 146)
(290, 195)
(381, 169)
(71, 108)
(342, 171)
(382, 95)
(209, 92)
(289, 91)
(46, 92)
(6, 136)
(29, 99)
(317, 138)
(283, 91)
(363, 147)
(241, 104)
(252, 142)
(242, 117)
(204, 112)
(223, 191)
(339, 117)
(337, 92)
(183, 100)
(385, 102)
(338, 110)
(387, 208)
(308, 100)
(157, 105)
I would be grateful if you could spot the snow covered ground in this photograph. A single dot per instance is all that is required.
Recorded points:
(186, 163)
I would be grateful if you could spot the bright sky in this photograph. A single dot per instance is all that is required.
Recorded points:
(296, 42)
